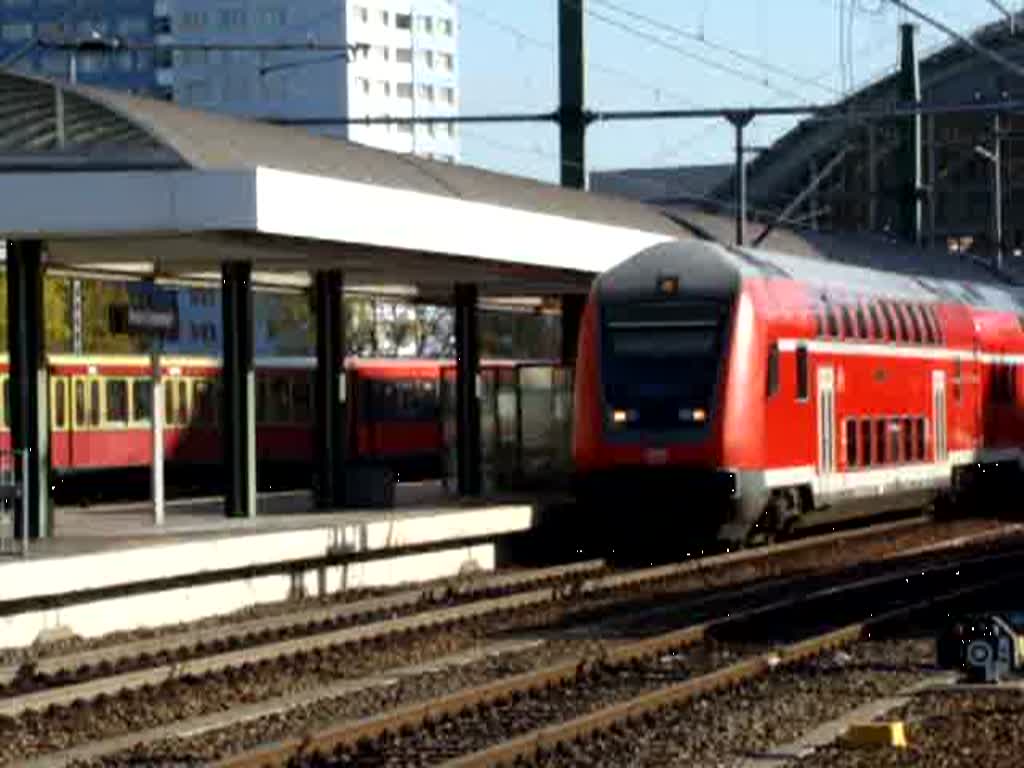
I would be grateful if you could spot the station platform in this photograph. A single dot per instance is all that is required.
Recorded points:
(110, 568)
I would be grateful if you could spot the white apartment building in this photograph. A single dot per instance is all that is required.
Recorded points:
(402, 60)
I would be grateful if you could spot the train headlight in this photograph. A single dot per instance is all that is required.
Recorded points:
(699, 414)
(620, 417)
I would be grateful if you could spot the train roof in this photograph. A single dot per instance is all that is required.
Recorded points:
(858, 269)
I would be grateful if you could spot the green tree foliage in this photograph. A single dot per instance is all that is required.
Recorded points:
(56, 308)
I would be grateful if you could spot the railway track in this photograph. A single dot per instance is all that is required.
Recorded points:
(304, 669)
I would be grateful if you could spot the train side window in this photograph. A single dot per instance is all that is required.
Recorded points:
(183, 414)
(773, 370)
(262, 400)
(862, 322)
(865, 441)
(117, 401)
(851, 443)
(847, 321)
(901, 323)
(909, 454)
(957, 379)
(890, 322)
(60, 404)
(170, 414)
(930, 336)
(916, 331)
(204, 404)
(894, 441)
(877, 331)
(300, 398)
(6, 394)
(819, 323)
(880, 442)
(921, 435)
(81, 417)
(939, 338)
(142, 394)
(832, 319)
(803, 381)
(94, 404)
(280, 395)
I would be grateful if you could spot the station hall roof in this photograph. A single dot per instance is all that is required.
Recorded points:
(109, 178)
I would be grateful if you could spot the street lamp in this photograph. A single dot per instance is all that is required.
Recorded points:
(994, 157)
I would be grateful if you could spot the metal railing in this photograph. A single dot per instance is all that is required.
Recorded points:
(13, 502)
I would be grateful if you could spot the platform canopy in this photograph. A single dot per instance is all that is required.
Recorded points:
(113, 181)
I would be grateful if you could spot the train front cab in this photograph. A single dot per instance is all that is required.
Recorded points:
(664, 356)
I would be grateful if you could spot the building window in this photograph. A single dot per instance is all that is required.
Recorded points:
(271, 17)
(403, 21)
(361, 13)
(448, 95)
(16, 32)
(404, 90)
(426, 23)
(404, 128)
(446, 27)
(363, 85)
(231, 18)
(451, 129)
(133, 26)
(384, 87)
(427, 59)
(403, 55)
(385, 17)
(193, 21)
(425, 91)
(447, 62)
(382, 52)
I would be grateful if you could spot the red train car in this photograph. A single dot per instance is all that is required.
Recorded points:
(738, 391)
(100, 415)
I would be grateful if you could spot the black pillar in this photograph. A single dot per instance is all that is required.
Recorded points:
(572, 315)
(27, 401)
(908, 168)
(467, 406)
(330, 390)
(238, 415)
(571, 85)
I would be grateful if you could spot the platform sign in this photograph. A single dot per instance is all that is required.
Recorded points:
(150, 310)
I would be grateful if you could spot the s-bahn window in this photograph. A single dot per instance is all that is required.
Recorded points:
(280, 395)
(300, 398)
(802, 373)
(94, 403)
(262, 400)
(862, 322)
(920, 436)
(117, 401)
(847, 321)
(916, 331)
(865, 441)
(182, 414)
(935, 324)
(773, 370)
(880, 442)
(80, 409)
(142, 394)
(204, 403)
(890, 322)
(169, 413)
(851, 443)
(4, 406)
(909, 454)
(60, 404)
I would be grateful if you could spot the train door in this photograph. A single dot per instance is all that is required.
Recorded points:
(939, 414)
(826, 420)
(86, 410)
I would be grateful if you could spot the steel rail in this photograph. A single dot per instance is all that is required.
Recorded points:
(349, 734)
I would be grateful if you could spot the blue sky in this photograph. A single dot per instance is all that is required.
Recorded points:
(509, 64)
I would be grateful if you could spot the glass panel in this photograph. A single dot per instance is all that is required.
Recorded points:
(117, 400)
(142, 393)
(169, 412)
(204, 403)
(301, 399)
(920, 434)
(851, 443)
(182, 414)
(880, 442)
(280, 396)
(94, 403)
(80, 409)
(60, 404)
(7, 399)
(865, 440)
(908, 440)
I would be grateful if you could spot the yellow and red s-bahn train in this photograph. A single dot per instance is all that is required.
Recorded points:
(740, 390)
(99, 415)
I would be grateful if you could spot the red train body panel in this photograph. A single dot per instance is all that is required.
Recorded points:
(747, 388)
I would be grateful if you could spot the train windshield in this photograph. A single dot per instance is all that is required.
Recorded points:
(660, 370)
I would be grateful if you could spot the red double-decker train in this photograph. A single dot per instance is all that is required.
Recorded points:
(738, 391)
